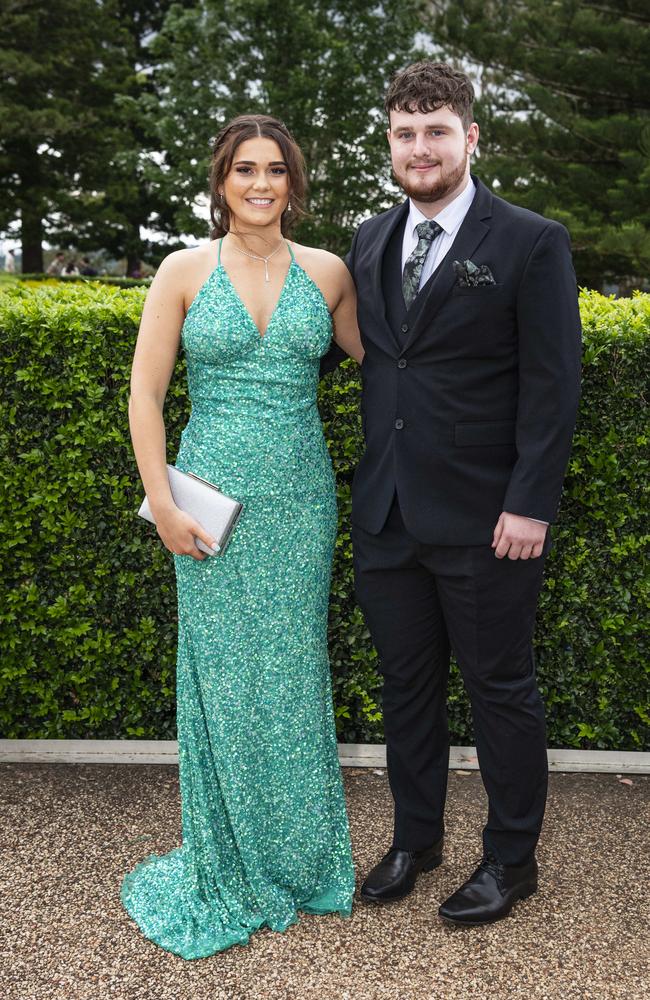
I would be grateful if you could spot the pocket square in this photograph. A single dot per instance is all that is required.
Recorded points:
(471, 275)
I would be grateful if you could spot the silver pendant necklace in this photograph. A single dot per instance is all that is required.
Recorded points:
(255, 256)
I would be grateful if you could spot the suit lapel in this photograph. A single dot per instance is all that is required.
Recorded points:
(471, 234)
(393, 219)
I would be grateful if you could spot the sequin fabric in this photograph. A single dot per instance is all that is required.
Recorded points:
(264, 827)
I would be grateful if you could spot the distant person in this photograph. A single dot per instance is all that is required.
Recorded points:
(57, 264)
(71, 268)
(10, 262)
(136, 271)
(86, 268)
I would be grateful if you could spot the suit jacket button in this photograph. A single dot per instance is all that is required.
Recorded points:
(401, 363)
(405, 328)
(399, 423)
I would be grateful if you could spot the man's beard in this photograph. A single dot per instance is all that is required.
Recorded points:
(447, 182)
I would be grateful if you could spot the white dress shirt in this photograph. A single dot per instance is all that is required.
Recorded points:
(450, 220)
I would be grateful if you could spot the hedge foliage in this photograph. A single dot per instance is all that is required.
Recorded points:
(88, 617)
(103, 279)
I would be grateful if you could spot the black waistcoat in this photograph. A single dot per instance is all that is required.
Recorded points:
(400, 318)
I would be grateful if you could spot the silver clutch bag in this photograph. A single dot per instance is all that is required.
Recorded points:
(214, 511)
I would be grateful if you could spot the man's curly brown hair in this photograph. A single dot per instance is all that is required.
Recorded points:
(426, 86)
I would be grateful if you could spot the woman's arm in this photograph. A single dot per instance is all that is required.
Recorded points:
(153, 364)
(332, 278)
(344, 316)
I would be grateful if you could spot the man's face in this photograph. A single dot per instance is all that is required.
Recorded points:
(430, 153)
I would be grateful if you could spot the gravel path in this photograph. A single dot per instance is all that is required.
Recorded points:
(69, 832)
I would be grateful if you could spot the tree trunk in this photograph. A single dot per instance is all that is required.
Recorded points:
(31, 230)
(32, 239)
(133, 248)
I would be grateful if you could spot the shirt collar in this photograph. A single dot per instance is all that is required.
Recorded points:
(451, 216)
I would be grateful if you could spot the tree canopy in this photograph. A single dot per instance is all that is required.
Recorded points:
(564, 109)
(108, 109)
(77, 151)
(54, 80)
(321, 67)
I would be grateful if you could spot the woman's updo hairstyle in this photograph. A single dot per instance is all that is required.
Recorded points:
(223, 153)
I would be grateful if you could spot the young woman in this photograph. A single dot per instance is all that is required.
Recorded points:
(265, 831)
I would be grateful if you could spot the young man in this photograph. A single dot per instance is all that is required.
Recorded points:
(468, 312)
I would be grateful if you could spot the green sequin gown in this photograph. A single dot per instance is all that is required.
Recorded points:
(264, 826)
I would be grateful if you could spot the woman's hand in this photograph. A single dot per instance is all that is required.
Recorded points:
(178, 531)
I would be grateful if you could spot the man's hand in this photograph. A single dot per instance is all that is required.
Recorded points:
(518, 537)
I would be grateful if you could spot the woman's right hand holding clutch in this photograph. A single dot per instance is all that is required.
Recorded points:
(178, 531)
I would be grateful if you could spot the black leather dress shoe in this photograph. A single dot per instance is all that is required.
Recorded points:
(394, 877)
(490, 893)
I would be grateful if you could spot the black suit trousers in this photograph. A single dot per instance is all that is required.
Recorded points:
(419, 601)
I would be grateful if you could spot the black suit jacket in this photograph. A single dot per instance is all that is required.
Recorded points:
(469, 397)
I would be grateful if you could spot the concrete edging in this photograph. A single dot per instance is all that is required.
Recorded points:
(350, 755)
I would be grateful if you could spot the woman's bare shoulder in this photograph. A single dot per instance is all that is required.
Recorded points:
(317, 258)
(182, 262)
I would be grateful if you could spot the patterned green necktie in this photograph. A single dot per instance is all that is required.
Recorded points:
(427, 232)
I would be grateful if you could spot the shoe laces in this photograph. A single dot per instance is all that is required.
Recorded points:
(493, 866)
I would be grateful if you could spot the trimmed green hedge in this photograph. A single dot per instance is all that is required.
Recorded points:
(88, 619)
(103, 279)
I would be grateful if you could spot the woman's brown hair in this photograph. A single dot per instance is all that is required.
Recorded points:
(223, 153)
